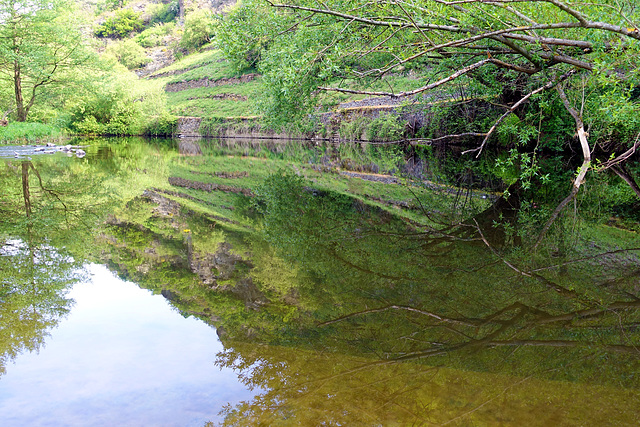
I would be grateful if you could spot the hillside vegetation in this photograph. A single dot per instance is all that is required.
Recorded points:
(144, 66)
(543, 91)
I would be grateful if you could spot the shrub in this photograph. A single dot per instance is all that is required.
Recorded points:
(352, 129)
(162, 13)
(386, 127)
(153, 36)
(129, 53)
(164, 125)
(121, 105)
(121, 25)
(198, 29)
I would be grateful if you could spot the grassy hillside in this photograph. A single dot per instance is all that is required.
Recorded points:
(223, 93)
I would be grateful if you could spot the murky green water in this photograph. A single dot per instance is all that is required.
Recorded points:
(261, 283)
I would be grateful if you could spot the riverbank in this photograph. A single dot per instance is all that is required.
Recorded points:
(16, 132)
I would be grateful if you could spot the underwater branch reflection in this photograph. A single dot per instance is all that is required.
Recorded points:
(461, 316)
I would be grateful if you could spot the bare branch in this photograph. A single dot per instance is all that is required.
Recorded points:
(440, 82)
(626, 177)
(582, 171)
(550, 40)
(416, 141)
(622, 157)
(465, 322)
(367, 21)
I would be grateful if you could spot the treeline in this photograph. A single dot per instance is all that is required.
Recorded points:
(66, 66)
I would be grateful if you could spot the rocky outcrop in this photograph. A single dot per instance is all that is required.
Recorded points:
(225, 96)
(189, 147)
(225, 271)
(188, 126)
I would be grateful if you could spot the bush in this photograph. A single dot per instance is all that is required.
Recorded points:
(162, 13)
(129, 53)
(198, 29)
(125, 22)
(352, 129)
(164, 125)
(154, 36)
(386, 127)
(121, 105)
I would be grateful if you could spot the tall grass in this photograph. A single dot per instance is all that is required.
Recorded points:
(28, 132)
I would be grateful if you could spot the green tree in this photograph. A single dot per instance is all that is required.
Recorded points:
(580, 59)
(40, 44)
(34, 281)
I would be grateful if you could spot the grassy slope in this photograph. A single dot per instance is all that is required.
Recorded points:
(208, 101)
(241, 102)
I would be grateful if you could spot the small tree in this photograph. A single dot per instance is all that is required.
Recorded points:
(39, 43)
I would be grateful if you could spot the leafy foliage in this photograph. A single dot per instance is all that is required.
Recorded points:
(128, 53)
(386, 127)
(244, 33)
(162, 12)
(119, 105)
(125, 22)
(198, 29)
(155, 35)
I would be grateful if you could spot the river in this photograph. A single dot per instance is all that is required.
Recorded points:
(203, 282)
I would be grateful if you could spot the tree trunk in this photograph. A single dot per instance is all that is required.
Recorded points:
(25, 188)
(17, 86)
(621, 171)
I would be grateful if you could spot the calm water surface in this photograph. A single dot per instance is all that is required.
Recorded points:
(244, 283)
(122, 357)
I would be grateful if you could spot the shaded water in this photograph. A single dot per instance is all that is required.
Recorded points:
(331, 294)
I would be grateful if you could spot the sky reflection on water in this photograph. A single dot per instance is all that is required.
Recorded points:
(122, 357)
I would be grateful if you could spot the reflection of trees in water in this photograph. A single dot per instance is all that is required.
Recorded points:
(297, 387)
(432, 295)
(49, 210)
(50, 200)
(402, 296)
(35, 279)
